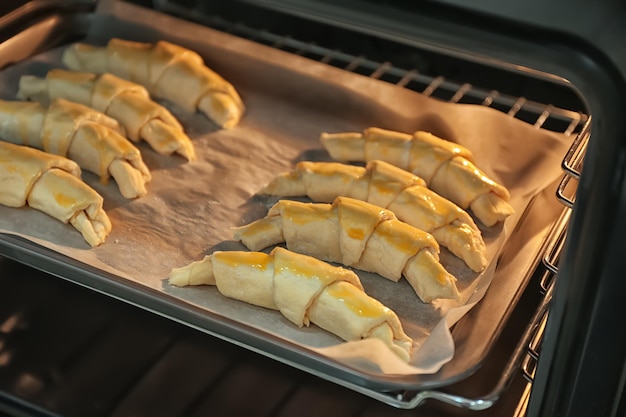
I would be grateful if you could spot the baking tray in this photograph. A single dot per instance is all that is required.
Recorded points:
(473, 335)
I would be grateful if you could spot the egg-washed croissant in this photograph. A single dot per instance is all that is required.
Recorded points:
(167, 70)
(356, 234)
(127, 102)
(80, 133)
(387, 186)
(447, 167)
(52, 184)
(304, 289)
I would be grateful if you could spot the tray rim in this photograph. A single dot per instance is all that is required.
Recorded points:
(64, 267)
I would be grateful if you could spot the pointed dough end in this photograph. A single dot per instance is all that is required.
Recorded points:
(196, 273)
(130, 180)
(490, 209)
(429, 279)
(222, 108)
(94, 230)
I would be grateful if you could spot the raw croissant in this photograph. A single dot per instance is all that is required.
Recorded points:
(447, 167)
(80, 133)
(305, 290)
(127, 102)
(168, 71)
(51, 184)
(387, 186)
(356, 234)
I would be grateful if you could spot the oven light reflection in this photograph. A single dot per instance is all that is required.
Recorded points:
(7, 327)
(5, 355)
(10, 323)
(28, 385)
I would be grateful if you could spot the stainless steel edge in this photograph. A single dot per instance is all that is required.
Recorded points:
(42, 34)
(35, 7)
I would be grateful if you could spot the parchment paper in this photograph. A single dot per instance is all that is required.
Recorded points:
(290, 100)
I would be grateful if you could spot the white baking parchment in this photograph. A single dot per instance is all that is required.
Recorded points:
(191, 207)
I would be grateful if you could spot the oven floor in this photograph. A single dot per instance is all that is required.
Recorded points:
(70, 351)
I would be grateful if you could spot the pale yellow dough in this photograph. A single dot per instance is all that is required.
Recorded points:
(81, 134)
(356, 234)
(127, 102)
(168, 71)
(52, 184)
(388, 186)
(447, 167)
(304, 289)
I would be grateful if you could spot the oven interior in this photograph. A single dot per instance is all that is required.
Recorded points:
(49, 378)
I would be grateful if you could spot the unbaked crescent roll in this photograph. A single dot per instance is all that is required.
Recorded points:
(168, 71)
(127, 102)
(305, 290)
(51, 184)
(387, 186)
(356, 234)
(80, 133)
(447, 167)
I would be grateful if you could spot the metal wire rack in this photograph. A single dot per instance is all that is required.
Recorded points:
(540, 115)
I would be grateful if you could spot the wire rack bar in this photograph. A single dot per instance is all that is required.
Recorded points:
(408, 78)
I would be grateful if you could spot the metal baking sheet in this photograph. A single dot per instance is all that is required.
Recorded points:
(290, 101)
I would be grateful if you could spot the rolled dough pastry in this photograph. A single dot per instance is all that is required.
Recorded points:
(51, 184)
(168, 71)
(80, 133)
(305, 290)
(447, 167)
(387, 186)
(127, 102)
(356, 234)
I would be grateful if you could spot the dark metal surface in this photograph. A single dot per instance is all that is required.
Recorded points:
(581, 367)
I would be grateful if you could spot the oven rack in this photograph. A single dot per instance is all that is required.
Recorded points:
(540, 115)
(572, 166)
